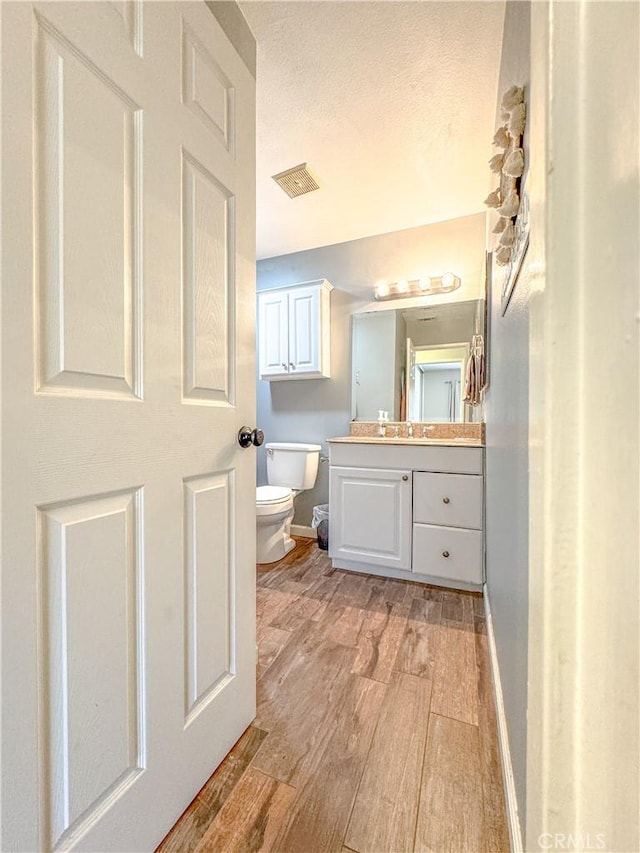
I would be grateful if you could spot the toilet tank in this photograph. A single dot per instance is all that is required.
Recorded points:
(292, 465)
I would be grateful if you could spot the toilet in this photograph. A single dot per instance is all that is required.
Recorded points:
(291, 468)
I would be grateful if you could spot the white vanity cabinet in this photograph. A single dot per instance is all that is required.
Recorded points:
(408, 510)
(294, 331)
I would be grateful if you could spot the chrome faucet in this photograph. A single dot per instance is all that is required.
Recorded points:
(409, 429)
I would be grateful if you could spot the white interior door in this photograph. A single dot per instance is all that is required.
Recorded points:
(128, 294)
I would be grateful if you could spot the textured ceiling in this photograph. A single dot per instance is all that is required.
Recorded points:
(392, 104)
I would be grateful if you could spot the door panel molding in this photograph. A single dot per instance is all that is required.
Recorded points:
(209, 286)
(88, 132)
(92, 658)
(209, 569)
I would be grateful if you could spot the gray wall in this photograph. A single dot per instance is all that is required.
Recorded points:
(507, 435)
(313, 410)
(307, 410)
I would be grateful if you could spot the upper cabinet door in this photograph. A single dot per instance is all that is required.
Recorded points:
(304, 330)
(295, 333)
(274, 334)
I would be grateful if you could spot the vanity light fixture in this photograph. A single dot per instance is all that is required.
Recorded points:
(425, 286)
(382, 290)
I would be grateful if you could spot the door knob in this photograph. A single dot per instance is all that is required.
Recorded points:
(248, 436)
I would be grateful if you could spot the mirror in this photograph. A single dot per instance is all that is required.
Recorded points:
(412, 362)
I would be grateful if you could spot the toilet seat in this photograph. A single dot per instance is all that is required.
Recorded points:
(272, 495)
(273, 501)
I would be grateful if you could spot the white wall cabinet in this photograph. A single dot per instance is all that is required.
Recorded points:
(408, 511)
(371, 509)
(294, 331)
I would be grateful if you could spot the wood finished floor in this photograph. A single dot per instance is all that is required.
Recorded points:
(375, 729)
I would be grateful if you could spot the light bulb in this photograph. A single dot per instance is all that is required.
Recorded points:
(402, 286)
(424, 283)
(448, 279)
(382, 290)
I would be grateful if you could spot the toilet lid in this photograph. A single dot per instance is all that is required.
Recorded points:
(272, 494)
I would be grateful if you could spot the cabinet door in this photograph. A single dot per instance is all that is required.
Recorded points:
(274, 334)
(304, 331)
(370, 516)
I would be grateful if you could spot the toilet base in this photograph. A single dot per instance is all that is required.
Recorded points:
(274, 540)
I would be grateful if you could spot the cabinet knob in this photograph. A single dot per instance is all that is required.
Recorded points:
(284, 366)
(405, 477)
(445, 500)
(292, 365)
(445, 553)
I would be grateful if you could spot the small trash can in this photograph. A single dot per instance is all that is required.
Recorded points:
(320, 520)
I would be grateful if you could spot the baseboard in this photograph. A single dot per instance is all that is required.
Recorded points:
(301, 530)
(513, 819)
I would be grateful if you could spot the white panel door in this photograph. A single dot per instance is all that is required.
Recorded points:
(128, 589)
(304, 329)
(370, 519)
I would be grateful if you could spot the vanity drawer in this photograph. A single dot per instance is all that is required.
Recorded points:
(451, 499)
(449, 553)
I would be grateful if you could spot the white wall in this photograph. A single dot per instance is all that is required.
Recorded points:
(584, 609)
(374, 365)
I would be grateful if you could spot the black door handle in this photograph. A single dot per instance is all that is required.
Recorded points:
(248, 436)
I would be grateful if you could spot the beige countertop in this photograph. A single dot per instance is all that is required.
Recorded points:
(418, 440)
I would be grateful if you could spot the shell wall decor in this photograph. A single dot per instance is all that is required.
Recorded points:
(509, 165)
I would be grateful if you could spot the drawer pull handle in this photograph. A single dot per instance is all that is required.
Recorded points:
(405, 477)
(445, 553)
(445, 500)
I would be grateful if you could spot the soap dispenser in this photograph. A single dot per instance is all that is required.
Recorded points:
(383, 417)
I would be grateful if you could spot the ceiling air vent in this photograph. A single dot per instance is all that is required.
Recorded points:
(296, 181)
